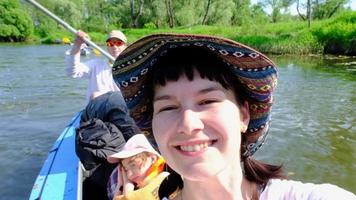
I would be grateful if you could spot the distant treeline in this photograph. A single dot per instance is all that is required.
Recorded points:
(326, 26)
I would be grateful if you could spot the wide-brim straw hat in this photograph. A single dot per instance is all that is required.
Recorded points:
(254, 71)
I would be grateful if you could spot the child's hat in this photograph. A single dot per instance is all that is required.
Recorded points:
(135, 145)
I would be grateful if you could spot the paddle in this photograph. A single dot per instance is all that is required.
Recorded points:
(70, 28)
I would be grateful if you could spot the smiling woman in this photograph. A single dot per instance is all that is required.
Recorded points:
(207, 101)
(202, 120)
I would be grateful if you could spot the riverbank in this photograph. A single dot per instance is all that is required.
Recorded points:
(335, 36)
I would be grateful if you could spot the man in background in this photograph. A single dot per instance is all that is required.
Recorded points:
(97, 70)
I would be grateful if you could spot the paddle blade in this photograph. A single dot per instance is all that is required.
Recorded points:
(66, 40)
(96, 52)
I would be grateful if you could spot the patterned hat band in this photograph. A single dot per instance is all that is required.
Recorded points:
(254, 71)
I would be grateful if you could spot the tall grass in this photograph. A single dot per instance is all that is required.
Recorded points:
(338, 35)
(279, 38)
(275, 38)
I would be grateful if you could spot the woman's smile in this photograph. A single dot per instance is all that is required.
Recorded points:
(193, 148)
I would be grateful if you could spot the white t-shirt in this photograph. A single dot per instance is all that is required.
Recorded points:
(277, 189)
(97, 71)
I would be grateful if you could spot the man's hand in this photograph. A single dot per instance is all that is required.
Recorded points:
(79, 41)
(81, 35)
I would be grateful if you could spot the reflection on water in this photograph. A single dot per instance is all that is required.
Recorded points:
(37, 100)
(312, 132)
(313, 123)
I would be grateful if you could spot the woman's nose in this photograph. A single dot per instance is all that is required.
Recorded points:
(189, 122)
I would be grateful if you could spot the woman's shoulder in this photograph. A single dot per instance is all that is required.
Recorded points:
(289, 189)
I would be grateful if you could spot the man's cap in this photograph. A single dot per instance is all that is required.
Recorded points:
(117, 34)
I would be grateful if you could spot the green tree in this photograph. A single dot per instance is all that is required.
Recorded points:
(206, 11)
(221, 13)
(209, 12)
(170, 14)
(136, 9)
(68, 11)
(242, 13)
(276, 7)
(188, 12)
(258, 15)
(15, 23)
(326, 9)
(97, 16)
(122, 12)
(319, 9)
(43, 26)
(158, 14)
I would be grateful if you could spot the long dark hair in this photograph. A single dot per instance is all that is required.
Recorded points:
(183, 61)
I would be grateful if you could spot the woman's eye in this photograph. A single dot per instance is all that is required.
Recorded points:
(167, 108)
(208, 101)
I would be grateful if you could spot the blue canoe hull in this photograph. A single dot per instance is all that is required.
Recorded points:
(60, 177)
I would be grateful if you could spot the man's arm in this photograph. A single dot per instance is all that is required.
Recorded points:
(75, 68)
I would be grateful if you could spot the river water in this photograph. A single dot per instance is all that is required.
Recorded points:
(313, 129)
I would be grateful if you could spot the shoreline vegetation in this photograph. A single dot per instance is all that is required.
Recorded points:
(335, 35)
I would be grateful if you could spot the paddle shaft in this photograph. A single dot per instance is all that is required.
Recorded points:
(70, 28)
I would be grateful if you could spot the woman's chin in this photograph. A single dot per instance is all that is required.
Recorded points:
(199, 173)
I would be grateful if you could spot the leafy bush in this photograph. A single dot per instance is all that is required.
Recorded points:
(98, 37)
(94, 24)
(338, 35)
(15, 23)
(150, 25)
(56, 37)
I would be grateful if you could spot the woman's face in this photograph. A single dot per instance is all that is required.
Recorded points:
(197, 126)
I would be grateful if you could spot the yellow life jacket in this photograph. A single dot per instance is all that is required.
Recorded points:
(148, 192)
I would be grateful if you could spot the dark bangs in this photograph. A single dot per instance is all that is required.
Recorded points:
(185, 60)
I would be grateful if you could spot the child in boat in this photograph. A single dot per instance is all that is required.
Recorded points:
(110, 108)
(139, 171)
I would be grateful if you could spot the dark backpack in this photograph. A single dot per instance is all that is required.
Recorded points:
(95, 141)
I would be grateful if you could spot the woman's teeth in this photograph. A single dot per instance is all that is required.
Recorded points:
(196, 147)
